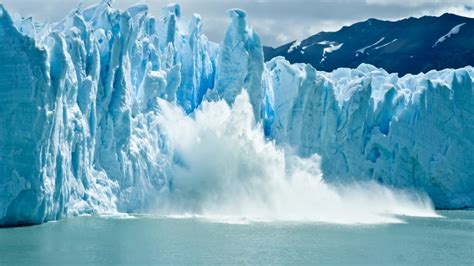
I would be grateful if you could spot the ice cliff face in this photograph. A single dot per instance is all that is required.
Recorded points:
(410, 132)
(79, 98)
(79, 108)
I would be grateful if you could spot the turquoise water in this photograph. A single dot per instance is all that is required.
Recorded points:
(154, 240)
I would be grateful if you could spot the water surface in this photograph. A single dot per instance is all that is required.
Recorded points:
(155, 240)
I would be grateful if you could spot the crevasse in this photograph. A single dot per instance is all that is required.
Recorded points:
(79, 109)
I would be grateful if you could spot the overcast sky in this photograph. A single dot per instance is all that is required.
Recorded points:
(276, 21)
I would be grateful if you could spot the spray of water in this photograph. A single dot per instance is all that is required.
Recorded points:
(225, 170)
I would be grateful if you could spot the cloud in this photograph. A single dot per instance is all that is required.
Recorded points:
(276, 21)
(413, 3)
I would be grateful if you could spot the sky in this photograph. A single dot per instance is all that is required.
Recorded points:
(276, 21)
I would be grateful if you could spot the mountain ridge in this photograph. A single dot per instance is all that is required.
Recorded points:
(407, 46)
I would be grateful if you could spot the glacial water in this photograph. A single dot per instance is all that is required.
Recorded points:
(160, 240)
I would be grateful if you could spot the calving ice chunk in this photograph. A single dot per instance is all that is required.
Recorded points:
(82, 104)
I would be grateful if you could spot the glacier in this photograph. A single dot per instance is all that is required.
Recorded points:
(410, 132)
(82, 102)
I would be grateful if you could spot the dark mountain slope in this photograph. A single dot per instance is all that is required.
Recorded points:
(410, 45)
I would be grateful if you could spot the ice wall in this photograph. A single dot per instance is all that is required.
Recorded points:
(80, 112)
(414, 132)
(79, 105)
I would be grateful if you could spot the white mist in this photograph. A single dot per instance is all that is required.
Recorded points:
(225, 170)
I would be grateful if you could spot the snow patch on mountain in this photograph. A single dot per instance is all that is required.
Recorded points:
(332, 48)
(362, 50)
(455, 30)
(386, 44)
(294, 46)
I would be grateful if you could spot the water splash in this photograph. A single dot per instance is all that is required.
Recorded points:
(225, 170)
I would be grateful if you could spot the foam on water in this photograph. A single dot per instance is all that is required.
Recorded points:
(225, 170)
